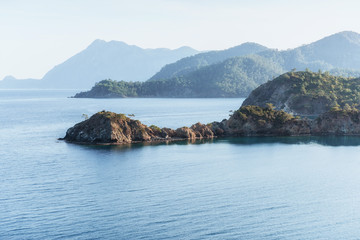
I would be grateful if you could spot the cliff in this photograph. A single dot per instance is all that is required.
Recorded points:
(337, 122)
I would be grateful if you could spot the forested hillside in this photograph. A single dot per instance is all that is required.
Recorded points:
(235, 77)
(308, 93)
(338, 51)
(193, 63)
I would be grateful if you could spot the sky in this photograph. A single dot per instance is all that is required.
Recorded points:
(36, 35)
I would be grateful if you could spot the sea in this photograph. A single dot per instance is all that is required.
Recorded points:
(235, 188)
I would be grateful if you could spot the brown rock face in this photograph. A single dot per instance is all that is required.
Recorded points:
(259, 121)
(111, 128)
(339, 122)
(202, 131)
(108, 127)
(167, 133)
(185, 132)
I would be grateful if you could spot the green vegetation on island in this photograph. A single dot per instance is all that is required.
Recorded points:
(262, 115)
(308, 93)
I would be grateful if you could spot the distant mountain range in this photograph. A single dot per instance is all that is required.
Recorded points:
(193, 63)
(340, 51)
(102, 60)
(235, 72)
(231, 72)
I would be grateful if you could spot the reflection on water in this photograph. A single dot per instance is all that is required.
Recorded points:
(321, 140)
(134, 146)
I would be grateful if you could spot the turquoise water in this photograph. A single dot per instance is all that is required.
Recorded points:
(240, 188)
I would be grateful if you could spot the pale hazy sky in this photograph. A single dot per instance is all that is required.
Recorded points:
(36, 35)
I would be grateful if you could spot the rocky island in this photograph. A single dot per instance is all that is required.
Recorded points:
(111, 128)
(268, 111)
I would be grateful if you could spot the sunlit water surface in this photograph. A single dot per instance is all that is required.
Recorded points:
(243, 188)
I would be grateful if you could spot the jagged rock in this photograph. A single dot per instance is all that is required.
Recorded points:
(202, 131)
(339, 122)
(168, 133)
(108, 127)
(219, 128)
(111, 128)
(186, 133)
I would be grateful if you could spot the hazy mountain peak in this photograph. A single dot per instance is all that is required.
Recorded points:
(110, 59)
(97, 42)
(9, 78)
(340, 50)
(352, 37)
(121, 44)
(349, 34)
(249, 47)
(345, 37)
(185, 48)
(251, 44)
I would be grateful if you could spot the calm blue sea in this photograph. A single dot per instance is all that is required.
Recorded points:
(241, 188)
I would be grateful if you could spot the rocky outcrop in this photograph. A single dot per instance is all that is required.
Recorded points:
(111, 128)
(337, 122)
(258, 121)
(108, 127)
(202, 131)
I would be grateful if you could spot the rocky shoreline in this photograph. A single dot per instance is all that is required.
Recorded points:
(112, 129)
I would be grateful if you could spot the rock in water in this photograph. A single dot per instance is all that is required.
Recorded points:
(337, 122)
(111, 128)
